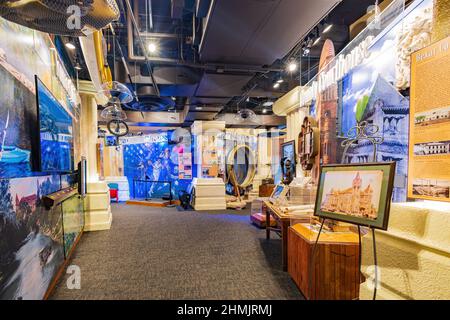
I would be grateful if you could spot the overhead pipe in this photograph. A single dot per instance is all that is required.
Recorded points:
(143, 47)
(103, 68)
(132, 23)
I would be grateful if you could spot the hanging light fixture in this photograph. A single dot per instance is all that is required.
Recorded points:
(113, 111)
(116, 92)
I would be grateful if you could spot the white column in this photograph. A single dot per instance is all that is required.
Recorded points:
(97, 208)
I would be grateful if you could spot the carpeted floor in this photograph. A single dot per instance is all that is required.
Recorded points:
(162, 253)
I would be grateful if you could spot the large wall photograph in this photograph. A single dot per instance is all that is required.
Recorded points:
(31, 238)
(372, 92)
(150, 165)
(17, 113)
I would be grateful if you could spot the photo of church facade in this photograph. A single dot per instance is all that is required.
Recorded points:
(355, 200)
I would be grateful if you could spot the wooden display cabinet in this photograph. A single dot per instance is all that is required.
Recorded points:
(335, 275)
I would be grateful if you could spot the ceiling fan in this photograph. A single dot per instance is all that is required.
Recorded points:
(62, 17)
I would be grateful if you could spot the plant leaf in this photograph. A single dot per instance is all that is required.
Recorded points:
(361, 107)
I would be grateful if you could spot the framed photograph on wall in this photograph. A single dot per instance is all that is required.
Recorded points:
(288, 152)
(356, 193)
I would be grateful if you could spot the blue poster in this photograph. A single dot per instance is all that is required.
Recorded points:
(152, 167)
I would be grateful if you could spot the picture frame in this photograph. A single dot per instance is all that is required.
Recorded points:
(288, 151)
(279, 192)
(356, 193)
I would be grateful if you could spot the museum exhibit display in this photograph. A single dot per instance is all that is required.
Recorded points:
(214, 150)
(429, 123)
(55, 125)
(359, 194)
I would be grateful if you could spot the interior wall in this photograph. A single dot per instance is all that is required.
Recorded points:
(29, 233)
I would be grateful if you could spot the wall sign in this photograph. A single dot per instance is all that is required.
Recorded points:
(429, 149)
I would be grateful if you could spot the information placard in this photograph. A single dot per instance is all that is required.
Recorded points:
(429, 143)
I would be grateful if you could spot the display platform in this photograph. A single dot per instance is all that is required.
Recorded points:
(153, 202)
(283, 220)
(333, 273)
(209, 194)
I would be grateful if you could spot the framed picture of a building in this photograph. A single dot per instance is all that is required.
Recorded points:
(356, 193)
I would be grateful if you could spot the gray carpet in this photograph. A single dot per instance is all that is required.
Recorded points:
(162, 253)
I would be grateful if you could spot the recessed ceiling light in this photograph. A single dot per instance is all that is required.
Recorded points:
(198, 108)
(327, 28)
(70, 45)
(152, 47)
(268, 104)
(280, 80)
(276, 85)
(174, 98)
(264, 110)
(292, 66)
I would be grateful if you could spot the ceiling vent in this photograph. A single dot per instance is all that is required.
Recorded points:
(152, 103)
(62, 17)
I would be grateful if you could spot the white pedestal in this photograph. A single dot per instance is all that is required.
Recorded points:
(97, 208)
(209, 194)
(124, 188)
(413, 254)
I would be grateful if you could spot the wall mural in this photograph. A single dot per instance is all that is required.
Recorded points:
(18, 110)
(31, 237)
(156, 160)
(73, 221)
(371, 88)
(31, 242)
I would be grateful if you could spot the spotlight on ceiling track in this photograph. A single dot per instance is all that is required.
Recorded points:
(70, 45)
(327, 28)
(152, 47)
(292, 66)
(306, 52)
(316, 41)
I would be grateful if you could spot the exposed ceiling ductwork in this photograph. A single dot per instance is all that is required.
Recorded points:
(232, 59)
(258, 32)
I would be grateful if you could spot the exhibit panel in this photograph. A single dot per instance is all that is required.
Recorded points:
(430, 123)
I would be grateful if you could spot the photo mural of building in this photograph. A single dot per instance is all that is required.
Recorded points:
(353, 201)
(327, 111)
(388, 110)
